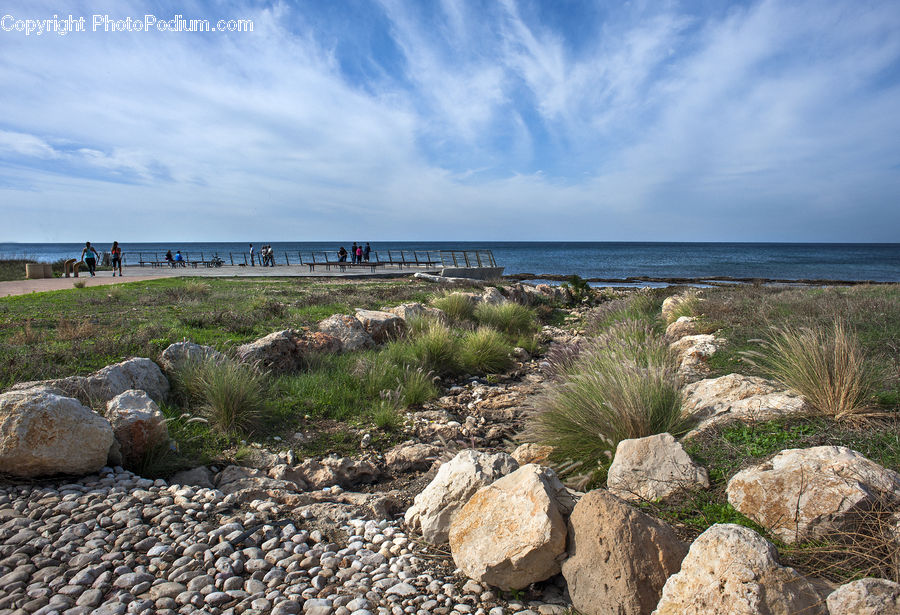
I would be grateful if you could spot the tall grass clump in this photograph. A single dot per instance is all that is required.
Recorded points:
(457, 306)
(485, 350)
(232, 396)
(642, 305)
(827, 367)
(417, 386)
(510, 318)
(436, 349)
(624, 385)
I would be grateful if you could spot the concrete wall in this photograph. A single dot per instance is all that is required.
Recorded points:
(476, 273)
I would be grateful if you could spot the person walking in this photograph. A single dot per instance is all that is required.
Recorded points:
(89, 256)
(116, 252)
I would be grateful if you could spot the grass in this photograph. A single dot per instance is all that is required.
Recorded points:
(510, 318)
(622, 386)
(458, 307)
(232, 396)
(485, 350)
(436, 349)
(827, 367)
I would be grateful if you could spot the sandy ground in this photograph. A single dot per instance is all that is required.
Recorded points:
(136, 274)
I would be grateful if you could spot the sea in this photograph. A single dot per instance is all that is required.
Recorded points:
(589, 260)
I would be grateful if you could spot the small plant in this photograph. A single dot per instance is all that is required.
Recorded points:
(687, 305)
(623, 386)
(581, 291)
(231, 395)
(437, 349)
(417, 386)
(829, 369)
(79, 284)
(510, 318)
(386, 413)
(485, 350)
(457, 306)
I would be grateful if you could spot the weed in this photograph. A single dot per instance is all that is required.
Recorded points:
(510, 318)
(386, 412)
(485, 350)
(829, 369)
(417, 386)
(580, 290)
(457, 306)
(437, 349)
(79, 284)
(231, 395)
(687, 306)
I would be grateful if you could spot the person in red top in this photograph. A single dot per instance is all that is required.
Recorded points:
(116, 253)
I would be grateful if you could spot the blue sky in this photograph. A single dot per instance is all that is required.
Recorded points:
(443, 119)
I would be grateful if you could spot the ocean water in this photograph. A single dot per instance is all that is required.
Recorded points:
(607, 260)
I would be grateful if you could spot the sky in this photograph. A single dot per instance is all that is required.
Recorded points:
(452, 120)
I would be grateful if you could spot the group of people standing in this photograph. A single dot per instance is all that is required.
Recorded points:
(89, 257)
(358, 253)
(266, 256)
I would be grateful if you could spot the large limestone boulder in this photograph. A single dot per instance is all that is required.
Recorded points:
(684, 326)
(382, 326)
(349, 330)
(101, 386)
(138, 424)
(493, 296)
(692, 352)
(456, 482)
(179, 354)
(619, 558)
(653, 468)
(807, 493)
(42, 434)
(737, 397)
(411, 311)
(732, 570)
(248, 481)
(513, 532)
(278, 351)
(865, 597)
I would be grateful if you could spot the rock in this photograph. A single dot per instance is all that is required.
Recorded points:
(738, 397)
(103, 385)
(619, 558)
(683, 327)
(277, 351)
(334, 470)
(42, 434)
(348, 330)
(179, 354)
(137, 423)
(316, 342)
(865, 597)
(670, 304)
(411, 456)
(411, 311)
(250, 480)
(732, 570)
(807, 493)
(382, 326)
(492, 296)
(653, 468)
(532, 453)
(284, 472)
(512, 532)
(197, 477)
(456, 482)
(692, 352)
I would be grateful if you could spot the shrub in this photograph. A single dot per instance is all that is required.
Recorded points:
(79, 284)
(622, 386)
(580, 289)
(828, 368)
(231, 395)
(436, 349)
(510, 318)
(417, 386)
(456, 306)
(485, 350)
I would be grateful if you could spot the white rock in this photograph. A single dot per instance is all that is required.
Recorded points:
(42, 433)
(732, 570)
(138, 424)
(382, 326)
(456, 481)
(513, 532)
(653, 468)
(807, 493)
(348, 330)
(737, 397)
(179, 354)
(693, 351)
(865, 597)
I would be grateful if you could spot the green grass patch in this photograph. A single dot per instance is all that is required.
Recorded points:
(458, 307)
(510, 318)
(485, 350)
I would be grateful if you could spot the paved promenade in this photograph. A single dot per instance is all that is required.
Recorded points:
(136, 274)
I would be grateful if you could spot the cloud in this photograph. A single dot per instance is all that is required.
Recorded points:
(461, 120)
